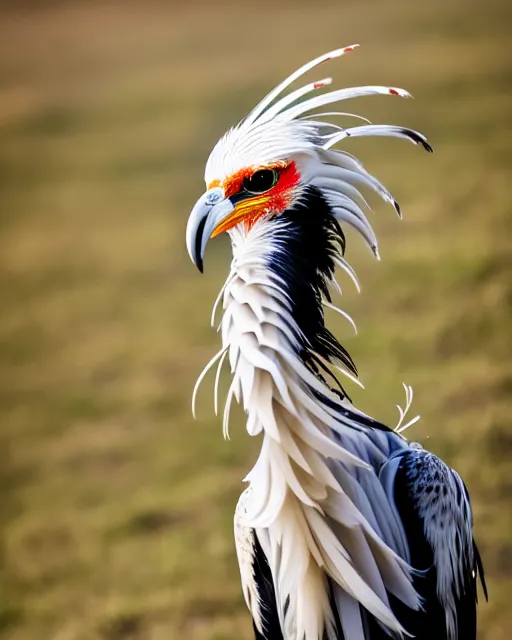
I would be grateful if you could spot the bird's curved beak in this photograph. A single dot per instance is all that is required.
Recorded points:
(208, 213)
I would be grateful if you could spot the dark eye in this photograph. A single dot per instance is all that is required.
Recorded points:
(261, 181)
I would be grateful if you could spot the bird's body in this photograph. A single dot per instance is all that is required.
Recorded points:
(346, 530)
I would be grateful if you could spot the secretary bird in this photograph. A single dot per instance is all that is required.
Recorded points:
(346, 530)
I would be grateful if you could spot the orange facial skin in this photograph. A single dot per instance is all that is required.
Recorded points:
(275, 200)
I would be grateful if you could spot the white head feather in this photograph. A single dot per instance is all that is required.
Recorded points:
(282, 129)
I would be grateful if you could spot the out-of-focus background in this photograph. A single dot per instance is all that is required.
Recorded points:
(116, 507)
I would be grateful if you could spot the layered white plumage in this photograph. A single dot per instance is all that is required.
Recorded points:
(311, 516)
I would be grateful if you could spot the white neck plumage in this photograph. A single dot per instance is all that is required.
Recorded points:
(302, 501)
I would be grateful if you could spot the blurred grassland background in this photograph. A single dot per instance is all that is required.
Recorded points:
(116, 507)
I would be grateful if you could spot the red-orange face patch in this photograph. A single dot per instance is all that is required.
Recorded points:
(288, 177)
(275, 200)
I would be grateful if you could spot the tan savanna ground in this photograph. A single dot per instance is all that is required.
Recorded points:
(116, 505)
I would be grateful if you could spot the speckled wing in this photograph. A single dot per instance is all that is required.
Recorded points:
(434, 507)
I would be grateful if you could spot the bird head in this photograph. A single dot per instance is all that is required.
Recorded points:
(280, 153)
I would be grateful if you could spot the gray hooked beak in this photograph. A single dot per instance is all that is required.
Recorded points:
(208, 212)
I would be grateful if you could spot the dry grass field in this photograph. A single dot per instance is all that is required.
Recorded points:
(116, 507)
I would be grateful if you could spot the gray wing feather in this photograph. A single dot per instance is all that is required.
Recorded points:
(433, 504)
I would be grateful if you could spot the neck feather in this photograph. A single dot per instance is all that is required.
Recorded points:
(274, 331)
(313, 244)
